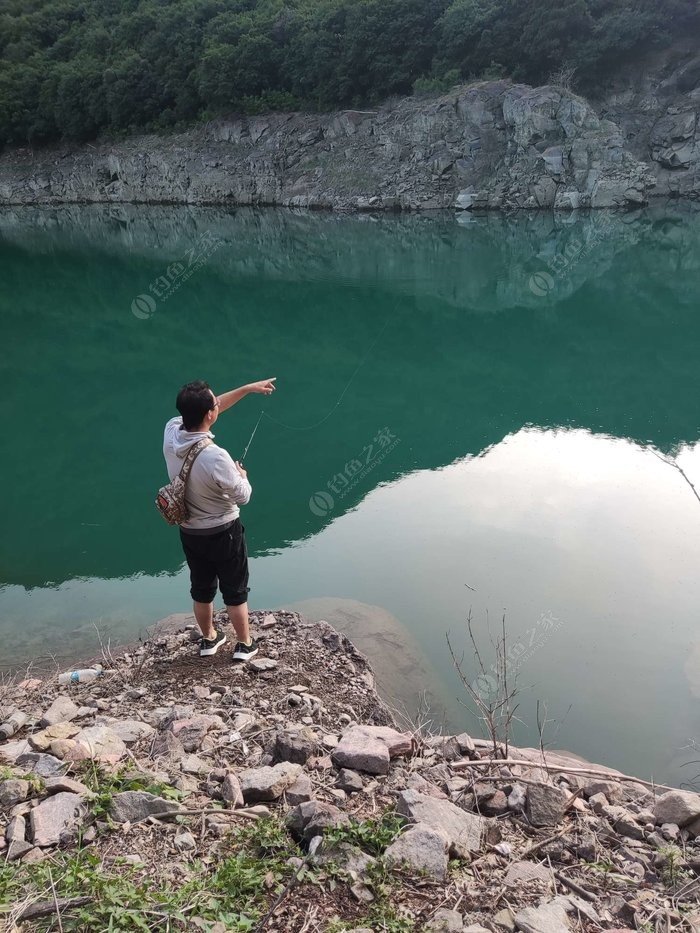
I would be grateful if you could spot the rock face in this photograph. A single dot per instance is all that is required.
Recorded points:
(490, 145)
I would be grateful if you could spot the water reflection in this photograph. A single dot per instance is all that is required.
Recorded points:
(521, 419)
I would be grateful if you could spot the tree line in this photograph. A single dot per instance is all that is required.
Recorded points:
(74, 69)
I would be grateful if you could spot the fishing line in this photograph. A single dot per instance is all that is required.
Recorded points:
(359, 366)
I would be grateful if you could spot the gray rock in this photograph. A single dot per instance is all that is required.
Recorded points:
(13, 791)
(524, 873)
(131, 806)
(56, 785)
(98, 743)
(54, 817)
(191, 731)
(545, 804)
(547, 918)
(43, 765)
(598, 802)
(677, 806)
(63, 709)
(504, 920)
(419, 783)
(300, 791)
(623, 822)
(311, 819)
(192, 764)
(670, 831)
(268, 783)
(611, 789)
(296, 745)
(445, 921)
(185, 842)
(16, 829)
(462, 830)
(17, 849)
(420, 849)
(350, 781)
(517, 798)
(11, 751)
(348, 858)
(260, 665)
(129, 730)
(370, 748)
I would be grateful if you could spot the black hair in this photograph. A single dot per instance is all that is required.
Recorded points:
(194, 400)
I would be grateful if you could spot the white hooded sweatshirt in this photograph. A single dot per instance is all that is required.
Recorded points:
(215, 488)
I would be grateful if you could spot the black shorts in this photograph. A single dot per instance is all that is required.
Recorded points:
(219, 558)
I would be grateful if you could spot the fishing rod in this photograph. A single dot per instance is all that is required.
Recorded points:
(252, 436)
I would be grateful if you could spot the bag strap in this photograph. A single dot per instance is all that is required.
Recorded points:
(192, 454)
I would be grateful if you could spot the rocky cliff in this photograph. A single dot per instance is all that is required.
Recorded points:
(491, 145)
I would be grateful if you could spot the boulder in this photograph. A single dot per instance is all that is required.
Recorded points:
(62, 709)
(545, 804)
(54, 817)
(677, 806)
(420, 849)
(131, 806)
(370, 748)
(462, 830)
(418, 782)
(268, 783)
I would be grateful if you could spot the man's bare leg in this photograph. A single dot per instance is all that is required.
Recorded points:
(239, 619)
(204, 614)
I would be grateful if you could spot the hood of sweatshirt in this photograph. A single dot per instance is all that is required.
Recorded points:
(182, 440)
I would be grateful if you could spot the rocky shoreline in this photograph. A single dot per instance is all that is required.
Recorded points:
(179, 793)
(490, 145)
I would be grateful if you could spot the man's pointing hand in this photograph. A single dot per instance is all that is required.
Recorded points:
(264, 387)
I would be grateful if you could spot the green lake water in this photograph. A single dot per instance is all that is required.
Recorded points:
(480, 416)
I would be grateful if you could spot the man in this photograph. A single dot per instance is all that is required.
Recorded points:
(213, 538)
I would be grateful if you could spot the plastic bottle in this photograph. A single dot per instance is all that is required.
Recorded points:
(13, 724)
(84, 676)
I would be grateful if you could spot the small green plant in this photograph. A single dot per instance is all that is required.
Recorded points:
(373, 835)
(672, 871)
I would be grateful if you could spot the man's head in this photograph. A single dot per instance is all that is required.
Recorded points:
(198, 406)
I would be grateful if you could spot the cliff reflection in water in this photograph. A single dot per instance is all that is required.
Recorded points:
(451, 335)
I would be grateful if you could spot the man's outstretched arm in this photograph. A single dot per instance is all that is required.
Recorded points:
(264, 387)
